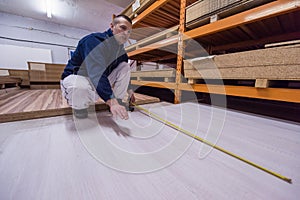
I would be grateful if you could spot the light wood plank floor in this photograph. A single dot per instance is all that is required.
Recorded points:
(31, 104)
(57, 157)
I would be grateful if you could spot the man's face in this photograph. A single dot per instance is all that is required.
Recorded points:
(121, 30)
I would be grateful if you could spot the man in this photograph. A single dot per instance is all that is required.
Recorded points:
(99, 67)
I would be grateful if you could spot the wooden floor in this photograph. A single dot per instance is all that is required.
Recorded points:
(60, 157)
(24, 104)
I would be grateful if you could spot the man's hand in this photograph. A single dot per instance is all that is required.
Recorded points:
(116, 109)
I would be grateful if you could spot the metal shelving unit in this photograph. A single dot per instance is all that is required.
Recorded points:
(277, 21)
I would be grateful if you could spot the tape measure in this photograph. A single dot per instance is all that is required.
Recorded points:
(154, 116)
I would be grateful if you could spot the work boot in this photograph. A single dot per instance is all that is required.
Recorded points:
(81, 113)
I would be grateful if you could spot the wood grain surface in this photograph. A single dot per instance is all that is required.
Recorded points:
(31, 104)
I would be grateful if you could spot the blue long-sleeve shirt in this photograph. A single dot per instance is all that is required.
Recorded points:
(96, 56)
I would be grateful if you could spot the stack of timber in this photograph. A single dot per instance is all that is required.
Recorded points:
(23, 74)
(10, 79)
(208, 11)
(263, 66)
(167, 33)
(45, 75)
(168, 75)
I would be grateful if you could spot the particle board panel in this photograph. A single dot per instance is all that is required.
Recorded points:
(31, 104)
(51, 159)
(263, 57)
(279, 63)
(275, 72)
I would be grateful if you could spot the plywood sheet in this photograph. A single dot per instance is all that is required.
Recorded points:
(31, 104)
(48, 159)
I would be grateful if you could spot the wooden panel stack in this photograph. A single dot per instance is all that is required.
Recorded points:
(279, 63)
(12, 78)
(167, 33)
(204, 11)
(168, 75)
(23, 74)
(7, 81)
(45, 75)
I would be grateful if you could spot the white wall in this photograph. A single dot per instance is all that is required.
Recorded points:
(26, 32)
(16, 57)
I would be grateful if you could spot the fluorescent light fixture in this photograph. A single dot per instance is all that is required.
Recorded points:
(49, 8)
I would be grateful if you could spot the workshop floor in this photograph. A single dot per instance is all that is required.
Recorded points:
(101, 158)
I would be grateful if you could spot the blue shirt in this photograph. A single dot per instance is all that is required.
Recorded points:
(96, 56)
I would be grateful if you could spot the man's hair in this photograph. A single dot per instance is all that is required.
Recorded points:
(116, 21)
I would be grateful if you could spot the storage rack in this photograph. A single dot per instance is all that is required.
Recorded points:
(277, 21)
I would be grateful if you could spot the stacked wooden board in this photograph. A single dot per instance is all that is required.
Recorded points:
(26, 104)
(23, 74)
(45, 75)
(164, 34)
(13, 78)
(278, 63)
(168, 75)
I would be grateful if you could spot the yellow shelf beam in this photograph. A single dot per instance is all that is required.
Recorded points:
(180, 51)
(276, 94)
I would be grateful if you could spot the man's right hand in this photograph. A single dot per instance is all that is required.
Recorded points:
(116, 109)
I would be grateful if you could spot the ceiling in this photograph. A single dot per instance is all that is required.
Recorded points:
(92, 15)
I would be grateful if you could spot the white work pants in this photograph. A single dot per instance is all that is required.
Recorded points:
(80, 92)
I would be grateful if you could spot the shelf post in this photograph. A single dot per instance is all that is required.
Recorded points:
(180, 51)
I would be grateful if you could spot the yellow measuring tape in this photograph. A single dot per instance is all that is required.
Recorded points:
(212, 145)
